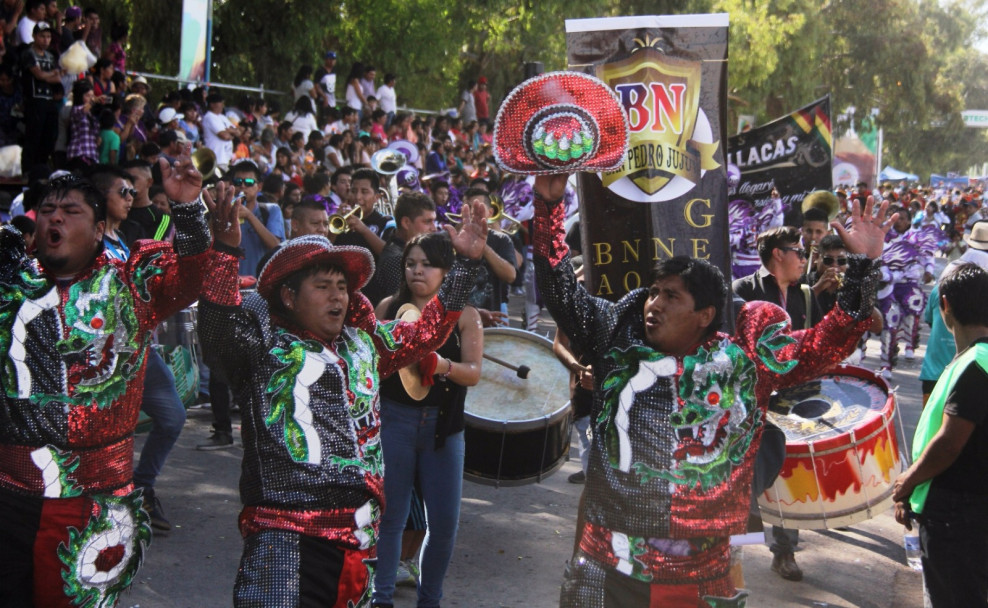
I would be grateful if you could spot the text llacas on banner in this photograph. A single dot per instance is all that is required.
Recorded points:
(792, 154)
(670, 196)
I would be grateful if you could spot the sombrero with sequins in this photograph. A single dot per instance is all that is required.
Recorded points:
(298, 253)
(560, 122)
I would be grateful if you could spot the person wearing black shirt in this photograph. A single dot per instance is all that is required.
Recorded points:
(371, 230)
(944, 488)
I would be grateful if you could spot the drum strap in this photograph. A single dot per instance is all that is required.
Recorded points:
(808, 298)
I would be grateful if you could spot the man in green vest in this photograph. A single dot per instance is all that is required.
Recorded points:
(944, 489)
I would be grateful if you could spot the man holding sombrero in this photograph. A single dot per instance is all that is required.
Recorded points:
(305, 356)
(677, 414)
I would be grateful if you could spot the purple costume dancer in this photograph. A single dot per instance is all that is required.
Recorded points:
(907, 257)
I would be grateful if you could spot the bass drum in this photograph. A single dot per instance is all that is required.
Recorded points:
(517, 430)
(842, 453)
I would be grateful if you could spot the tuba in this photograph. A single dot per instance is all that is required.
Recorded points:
(387, 162)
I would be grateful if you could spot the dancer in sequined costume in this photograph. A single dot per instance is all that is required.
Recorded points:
(678, 412)
(906, 261)
(305, 356)
(75, 329)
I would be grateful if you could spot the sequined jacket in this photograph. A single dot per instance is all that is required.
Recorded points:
(675, 437)
(310, 410)
(74, 357)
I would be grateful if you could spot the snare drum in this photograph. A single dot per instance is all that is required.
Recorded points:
(517, 430)
(842, 453)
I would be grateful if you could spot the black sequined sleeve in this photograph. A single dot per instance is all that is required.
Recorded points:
(191, 232)
(580, 315)
(229, 330)
(857, 294)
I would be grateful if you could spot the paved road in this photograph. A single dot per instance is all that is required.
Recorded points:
(513, 542)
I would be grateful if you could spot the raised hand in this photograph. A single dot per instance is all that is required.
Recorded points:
(182, 182)
(471, 238)
(868, 229)
(225, 212)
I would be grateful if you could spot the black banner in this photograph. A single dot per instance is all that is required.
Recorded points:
(792, 154)
(670, 197)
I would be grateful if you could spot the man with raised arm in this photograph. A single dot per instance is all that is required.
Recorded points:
(677, 411)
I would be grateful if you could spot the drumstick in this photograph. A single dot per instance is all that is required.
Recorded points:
(521, 369)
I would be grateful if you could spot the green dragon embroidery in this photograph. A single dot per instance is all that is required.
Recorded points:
(770, 343)
(281, 387)
(101, 560)
(145, 271)
(56, 467)
(102, 353)
(361, 363)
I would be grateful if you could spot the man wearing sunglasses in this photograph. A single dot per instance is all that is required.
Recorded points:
(831, 264)
(778, 281)
(262, 224)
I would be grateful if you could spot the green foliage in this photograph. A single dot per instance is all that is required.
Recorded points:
(911, 59)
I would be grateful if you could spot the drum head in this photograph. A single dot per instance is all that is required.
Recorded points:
(826, 407)
(501, 396)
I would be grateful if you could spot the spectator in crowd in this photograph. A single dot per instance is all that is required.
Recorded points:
(355, 97)
(340, 186)
(130, 127)
(92, 33)
(103, 79)
(387, 98)
(435, 163)
(34, 13)
(303, 117)
(10, 99)
(83, 148)
(39, 74)
(116, 52)
(218, 132)
(482, 102)
(467, 110)
(325, 78)
(367, 83)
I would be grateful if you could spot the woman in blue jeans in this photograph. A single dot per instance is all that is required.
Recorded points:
(423, 438)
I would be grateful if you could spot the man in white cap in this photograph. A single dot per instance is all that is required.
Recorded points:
(305, 355)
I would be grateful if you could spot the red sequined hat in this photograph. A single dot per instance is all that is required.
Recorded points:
(298, 253)
(560, 122)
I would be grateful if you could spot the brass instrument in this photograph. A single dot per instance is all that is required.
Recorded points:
(497, 206)
(338, 222)
(495, 220)
(204, 160)
(388, 162)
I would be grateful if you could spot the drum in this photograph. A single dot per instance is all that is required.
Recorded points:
(842, 453)
(517, 430)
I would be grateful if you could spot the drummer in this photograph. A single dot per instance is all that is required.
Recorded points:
(305, 354)
(658, 520)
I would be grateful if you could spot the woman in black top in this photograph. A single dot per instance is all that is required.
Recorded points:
(423, 439)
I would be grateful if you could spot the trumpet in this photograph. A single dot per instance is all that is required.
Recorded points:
(495, 220)
(338, 222)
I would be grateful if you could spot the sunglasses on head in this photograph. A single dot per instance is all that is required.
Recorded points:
(124, 191)
(830, 261)
(243, 181)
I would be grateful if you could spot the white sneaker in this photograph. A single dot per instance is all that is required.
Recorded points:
(886, 373)
(407, 574)
(910, 355)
